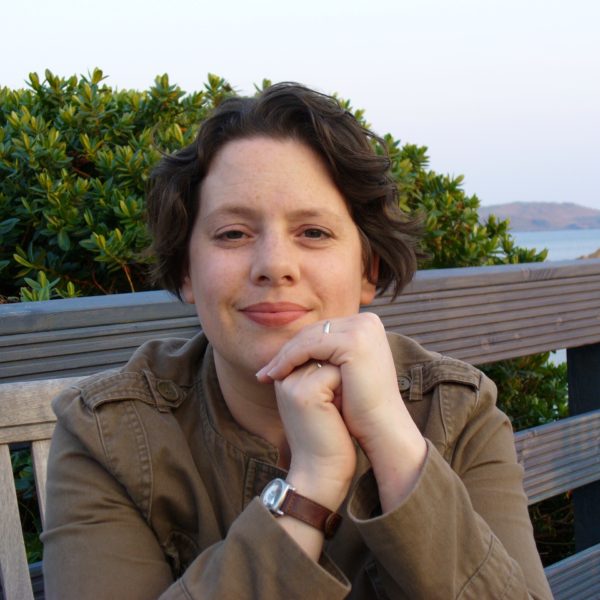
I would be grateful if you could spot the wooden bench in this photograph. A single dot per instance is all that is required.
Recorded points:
(480, 315)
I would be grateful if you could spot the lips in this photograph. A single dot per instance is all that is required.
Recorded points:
(274, 314)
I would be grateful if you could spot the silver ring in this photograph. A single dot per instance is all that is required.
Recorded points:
(327, 327)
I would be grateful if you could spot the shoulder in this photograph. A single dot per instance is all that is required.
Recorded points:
(444, 395)
(159, 373)
(119, 419)
(425, 369)
(113, 410)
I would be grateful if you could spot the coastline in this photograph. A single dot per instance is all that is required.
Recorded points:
(562, 244)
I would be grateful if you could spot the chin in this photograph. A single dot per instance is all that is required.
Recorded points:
(261, 355)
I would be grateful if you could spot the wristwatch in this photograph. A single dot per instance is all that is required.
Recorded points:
(281, 498)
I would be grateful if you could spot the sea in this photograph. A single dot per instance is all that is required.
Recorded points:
(566, 244)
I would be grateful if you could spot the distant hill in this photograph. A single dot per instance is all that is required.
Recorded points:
(544, 216)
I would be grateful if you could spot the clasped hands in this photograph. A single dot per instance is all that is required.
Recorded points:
(353, 394)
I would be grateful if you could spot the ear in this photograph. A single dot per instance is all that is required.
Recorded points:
(368, 288)
(187, 290)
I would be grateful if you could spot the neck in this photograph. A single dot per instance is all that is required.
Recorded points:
(254, 407)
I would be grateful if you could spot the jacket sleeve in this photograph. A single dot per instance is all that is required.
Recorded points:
(98, 545)
(464, 531)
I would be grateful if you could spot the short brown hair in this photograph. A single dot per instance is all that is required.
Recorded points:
(355, 157)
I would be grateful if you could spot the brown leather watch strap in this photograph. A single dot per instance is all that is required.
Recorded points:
(308, 511)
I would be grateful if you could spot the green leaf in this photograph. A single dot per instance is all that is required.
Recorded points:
(34, 80)
(8, 225)
(23, 261)
(64, 241)
(97, 76)
(32, 283)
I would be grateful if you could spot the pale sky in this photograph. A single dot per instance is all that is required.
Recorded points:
(505, 92)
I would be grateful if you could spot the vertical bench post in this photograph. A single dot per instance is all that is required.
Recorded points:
(583, 367)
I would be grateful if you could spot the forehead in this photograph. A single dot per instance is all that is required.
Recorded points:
(262, 169)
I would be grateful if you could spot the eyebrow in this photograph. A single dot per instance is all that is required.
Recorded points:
(234, 210)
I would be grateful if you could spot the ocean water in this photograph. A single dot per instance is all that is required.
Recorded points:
(565, 244)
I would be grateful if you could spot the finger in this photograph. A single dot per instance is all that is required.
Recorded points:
(312, 343)
(313, 380)
(306, 388)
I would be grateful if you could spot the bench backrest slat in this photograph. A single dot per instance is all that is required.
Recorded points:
(576, 577)
(14, 572)
(25, 411)
(560, 456)
(39, 455)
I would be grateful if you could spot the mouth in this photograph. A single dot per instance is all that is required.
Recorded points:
(274, 314)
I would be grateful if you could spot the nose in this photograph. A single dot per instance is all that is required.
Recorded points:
(275, 261)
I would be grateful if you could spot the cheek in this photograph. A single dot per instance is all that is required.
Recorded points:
(207, 300)
(339, 283)
(195, 287)
(214, 283)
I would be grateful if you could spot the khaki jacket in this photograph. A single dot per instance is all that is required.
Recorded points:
(152, 492)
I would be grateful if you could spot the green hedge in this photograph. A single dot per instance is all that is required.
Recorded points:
(74, 159)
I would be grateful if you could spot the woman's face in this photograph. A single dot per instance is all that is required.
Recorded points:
(273, 249)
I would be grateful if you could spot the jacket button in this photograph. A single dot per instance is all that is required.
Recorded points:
(404, 383)
(168, 390)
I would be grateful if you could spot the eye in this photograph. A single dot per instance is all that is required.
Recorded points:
(314, 233)
(231, 235)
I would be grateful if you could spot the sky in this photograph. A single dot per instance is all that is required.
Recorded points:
(504, 92)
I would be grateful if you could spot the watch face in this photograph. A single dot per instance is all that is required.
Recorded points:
(272, 495)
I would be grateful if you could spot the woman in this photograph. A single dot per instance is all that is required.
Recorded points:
(273, 456)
